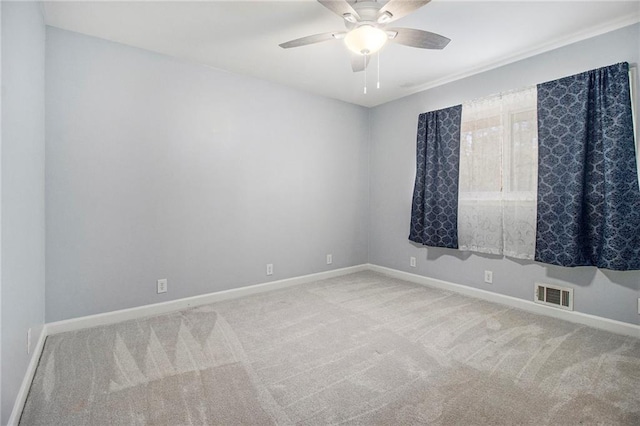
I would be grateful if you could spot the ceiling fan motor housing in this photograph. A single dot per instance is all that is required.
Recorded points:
(368, 11)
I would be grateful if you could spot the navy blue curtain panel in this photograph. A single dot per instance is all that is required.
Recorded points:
(434, 212)
(588, 195)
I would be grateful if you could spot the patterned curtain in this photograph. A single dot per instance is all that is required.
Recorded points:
(588, 195)
(434, 212)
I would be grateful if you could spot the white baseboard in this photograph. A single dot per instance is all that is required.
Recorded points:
(613, 326)
(188, 302)
(21, 398)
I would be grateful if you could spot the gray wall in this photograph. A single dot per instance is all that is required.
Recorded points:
(22, 177)
(392, 162)
(160, 168)
(157, 168)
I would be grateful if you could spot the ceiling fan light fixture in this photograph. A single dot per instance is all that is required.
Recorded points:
(366, 39)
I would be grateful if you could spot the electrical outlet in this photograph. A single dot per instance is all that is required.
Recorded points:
(329, 259)
(162, 285)
(412, 262)
(28, 341)
(269, 268)
(488, 277)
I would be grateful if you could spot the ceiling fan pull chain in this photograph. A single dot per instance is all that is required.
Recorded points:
(364, 57)
(378, 84)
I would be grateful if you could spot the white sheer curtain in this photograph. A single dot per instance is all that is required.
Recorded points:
(498, 175)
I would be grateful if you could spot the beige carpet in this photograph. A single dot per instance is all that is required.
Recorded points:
(358, 349)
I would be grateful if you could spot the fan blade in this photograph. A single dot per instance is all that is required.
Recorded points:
(418, 38)
(340, 8)
(400, 8)
(359, 62)
(316, 38)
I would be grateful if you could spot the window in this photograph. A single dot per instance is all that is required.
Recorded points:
(498, 175)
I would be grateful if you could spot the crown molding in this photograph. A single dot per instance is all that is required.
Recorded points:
(528, 53)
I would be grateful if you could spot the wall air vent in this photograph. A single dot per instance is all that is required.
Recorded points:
(553, 295)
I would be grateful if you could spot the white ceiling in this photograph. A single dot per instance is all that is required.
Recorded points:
(243, 37)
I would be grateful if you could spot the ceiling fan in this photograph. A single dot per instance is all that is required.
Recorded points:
(366, 33)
